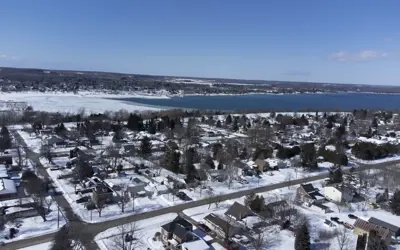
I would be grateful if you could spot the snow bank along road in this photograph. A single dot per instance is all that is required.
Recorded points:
(93, 229)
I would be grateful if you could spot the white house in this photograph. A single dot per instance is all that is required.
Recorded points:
(338, 193)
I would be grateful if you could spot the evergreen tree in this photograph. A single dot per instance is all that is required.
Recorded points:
(235, 126)
(395, 202)
(218, 125)
(5, 139)
(336, 176)
(375, 242)
(152, 127)
(309, 156)
(228, 120)
(361, 242)
(146, 147)
(302, 240)
(249, 199)
(172, 161)
(135, 122)
(374, 123)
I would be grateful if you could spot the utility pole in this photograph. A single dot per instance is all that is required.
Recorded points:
(58, 216)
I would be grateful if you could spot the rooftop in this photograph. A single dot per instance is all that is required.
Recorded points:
(7, 187)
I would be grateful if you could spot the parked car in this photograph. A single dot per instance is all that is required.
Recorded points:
(348, 226)
(84, 191)
(83, 199)
(183, 196)
(335, 219)
(352, 216)
(204, 228)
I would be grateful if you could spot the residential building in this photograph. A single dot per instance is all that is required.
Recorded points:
(261, 165)
(238, 211)
(276, 209)
(102, 194)
(194, 245)
(362, 227)
(3, 171)
(6, 159)
(339, 193)
(394, 230)
(308, 194)
(222, 227)
(7, 188)
(177, 231)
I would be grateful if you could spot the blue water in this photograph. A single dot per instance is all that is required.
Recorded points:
(293, 102)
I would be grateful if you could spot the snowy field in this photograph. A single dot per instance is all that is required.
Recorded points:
(43, 246)
(145, 230)
(69, 102)
(32, 226)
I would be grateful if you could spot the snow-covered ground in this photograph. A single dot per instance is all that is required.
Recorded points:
(32, 226)
(33, 141)
(283, 239)
(145, 230)
(69, 102)
(43, 246)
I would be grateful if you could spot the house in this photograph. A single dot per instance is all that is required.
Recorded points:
(320, 207)
(6, 159)
(394, 230)
(362, 227)
(276, 209)
(102, 193)
(128, 149)
(223, 228)
(339, 193)
(7, 188)
(55, 140)
(176, 182)
(176, 232)
(261, 165)
(194, 245)
(136, 186)
(47, 131)
(238, 211)
(308, 194)
(3, 171)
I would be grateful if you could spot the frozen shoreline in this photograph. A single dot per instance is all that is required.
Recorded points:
(91, 102)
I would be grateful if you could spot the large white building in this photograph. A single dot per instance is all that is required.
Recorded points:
(338, 193)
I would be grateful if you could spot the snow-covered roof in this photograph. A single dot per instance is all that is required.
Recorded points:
(195, 245)
(7, 187)
(217, 246)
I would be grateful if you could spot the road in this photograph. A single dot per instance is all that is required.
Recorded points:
(91, 230)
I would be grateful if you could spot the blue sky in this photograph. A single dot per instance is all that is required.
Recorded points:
(354, 41)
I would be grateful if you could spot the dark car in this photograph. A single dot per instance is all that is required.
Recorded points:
(183, 196)
(352, 216)
(83, 199)
(204, 228)
(335, 219)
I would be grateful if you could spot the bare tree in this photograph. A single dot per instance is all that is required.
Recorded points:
(128, 237)
(217, 200)
(114, 155)
(214, 199)
(46, 152)
(343, 238)
(123, 197)
(19, 157)
(49, 202)
(231, 172)
(99, 202)
(262, 240)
